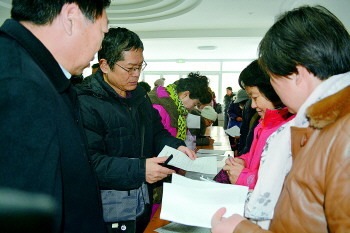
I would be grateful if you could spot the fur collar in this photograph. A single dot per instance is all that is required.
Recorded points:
(329, 109)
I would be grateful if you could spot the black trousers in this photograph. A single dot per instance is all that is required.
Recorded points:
(137, 226)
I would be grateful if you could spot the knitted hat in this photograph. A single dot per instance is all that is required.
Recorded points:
(209, 113)
(241, 96)
(159, 82)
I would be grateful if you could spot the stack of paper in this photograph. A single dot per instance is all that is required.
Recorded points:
(193, 203)
(211, 152)
(180, 228)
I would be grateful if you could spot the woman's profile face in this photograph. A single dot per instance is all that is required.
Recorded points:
(190, 103)
(259, 102)
(187, 101)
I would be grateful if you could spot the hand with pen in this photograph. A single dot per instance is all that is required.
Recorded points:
(155, 171)
(233, 168)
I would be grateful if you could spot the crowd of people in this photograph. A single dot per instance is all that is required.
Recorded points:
(83, 157)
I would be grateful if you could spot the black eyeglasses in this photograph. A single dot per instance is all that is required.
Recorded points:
(135, 68)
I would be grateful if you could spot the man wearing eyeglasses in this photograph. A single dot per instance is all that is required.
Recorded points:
(124, 131)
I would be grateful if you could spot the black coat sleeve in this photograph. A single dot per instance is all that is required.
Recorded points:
(29, 149)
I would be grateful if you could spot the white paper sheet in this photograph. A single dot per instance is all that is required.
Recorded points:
(207, 165)
(193, 202)
(233, 131)
(208, 151)
(193, 121)
(220, 163)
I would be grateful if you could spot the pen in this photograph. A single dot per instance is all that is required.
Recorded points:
(165, 164)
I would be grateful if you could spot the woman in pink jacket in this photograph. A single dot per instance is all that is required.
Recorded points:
(243, 170)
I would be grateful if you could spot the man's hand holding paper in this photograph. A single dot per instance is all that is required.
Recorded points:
(205, 165)
(155, 171)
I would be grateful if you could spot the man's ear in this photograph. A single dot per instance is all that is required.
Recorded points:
(68, 15)
(302, 74)
(104, 66)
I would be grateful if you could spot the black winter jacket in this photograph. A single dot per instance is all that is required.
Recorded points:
(113, 128)
(41, 145)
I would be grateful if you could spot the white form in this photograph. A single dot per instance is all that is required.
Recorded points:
(220, 163)
(193, 121)
(233, 131)
(193, 203)
(206, 165)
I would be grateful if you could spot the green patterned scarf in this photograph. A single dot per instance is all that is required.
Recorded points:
(181, 122)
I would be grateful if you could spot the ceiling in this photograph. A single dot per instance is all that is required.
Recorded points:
(174, 29)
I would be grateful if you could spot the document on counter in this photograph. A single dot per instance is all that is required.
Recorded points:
(197, 201)
(233, 131)
(220, 163)
(218, 157)
(207, 165)
(180, 228)
(208, 151)
(217, 144)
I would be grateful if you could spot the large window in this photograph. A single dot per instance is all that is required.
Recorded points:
(230, 80)
(221, 74)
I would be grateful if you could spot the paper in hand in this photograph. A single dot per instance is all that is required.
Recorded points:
(200, 199)
(206, 165)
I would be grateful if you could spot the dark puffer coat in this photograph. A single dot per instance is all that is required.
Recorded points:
(113, 128)
(41, 139)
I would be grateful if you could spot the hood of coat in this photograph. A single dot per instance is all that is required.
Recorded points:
(329, 109)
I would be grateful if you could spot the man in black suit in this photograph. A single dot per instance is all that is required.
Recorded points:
(42, 147)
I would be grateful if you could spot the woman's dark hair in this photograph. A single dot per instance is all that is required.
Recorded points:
(116, 42)
(45, 11)
(197, 85)
(309, 36)
(253, 75)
